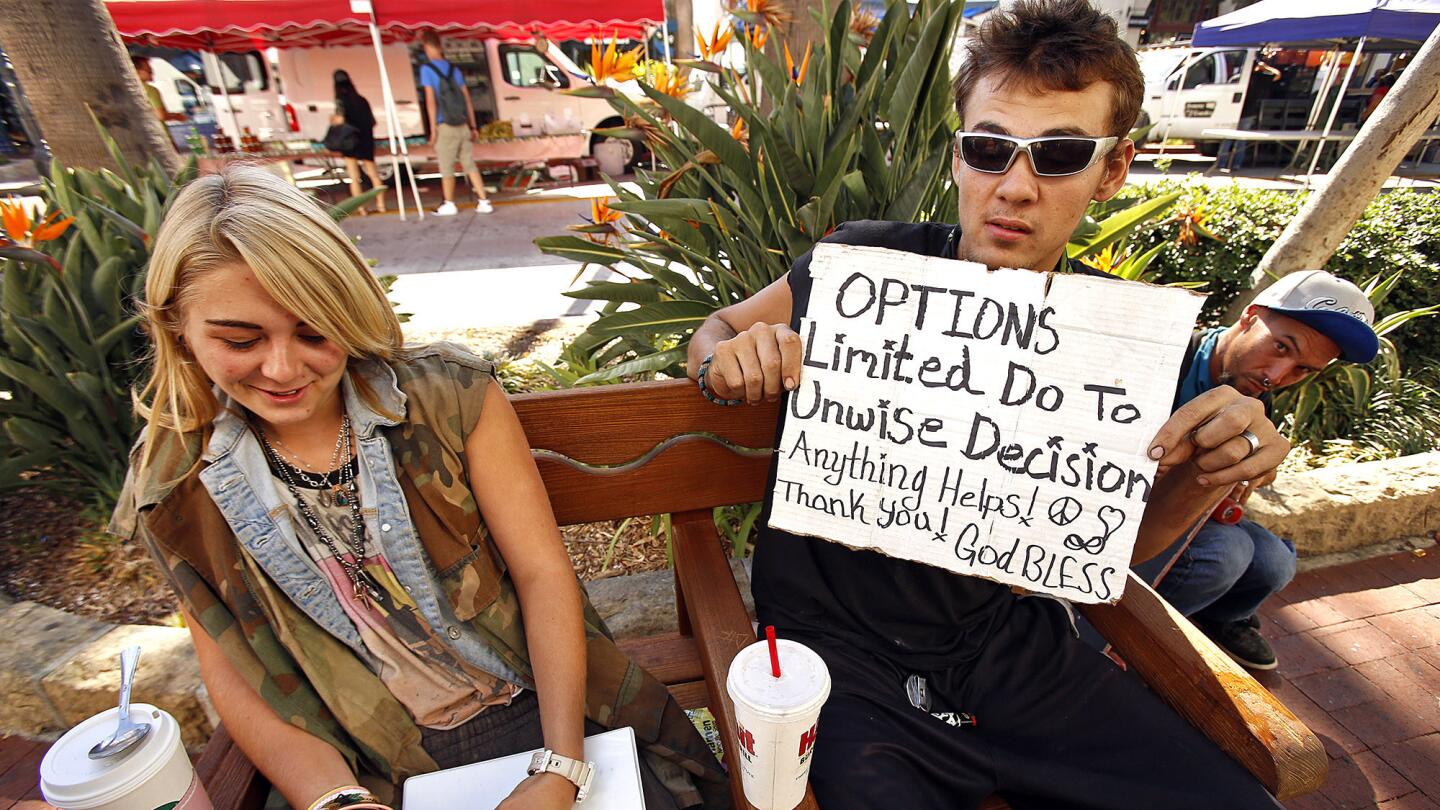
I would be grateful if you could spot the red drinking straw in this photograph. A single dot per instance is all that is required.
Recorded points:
(774, 650)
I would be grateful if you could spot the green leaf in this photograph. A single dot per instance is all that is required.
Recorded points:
(628, 291)
(674, 209)
(640, 365)
(579, 250)
(710, 134)
(661, 317)
(350, 205)
(1116, 226)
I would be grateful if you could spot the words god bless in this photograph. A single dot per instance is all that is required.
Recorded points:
(992, 423)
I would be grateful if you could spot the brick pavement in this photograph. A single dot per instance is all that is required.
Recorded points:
(1359, 649)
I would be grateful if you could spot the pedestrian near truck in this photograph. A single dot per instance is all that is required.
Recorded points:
(452, 125)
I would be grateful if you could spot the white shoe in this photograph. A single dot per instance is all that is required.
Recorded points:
(484, 207)
(447, 210)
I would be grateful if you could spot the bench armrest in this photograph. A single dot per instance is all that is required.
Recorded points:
(229, 778)
(718, 619)
(1210, 690)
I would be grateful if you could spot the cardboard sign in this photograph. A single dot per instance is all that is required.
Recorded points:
(991, 423)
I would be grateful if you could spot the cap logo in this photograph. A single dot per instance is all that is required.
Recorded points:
(1332, 305)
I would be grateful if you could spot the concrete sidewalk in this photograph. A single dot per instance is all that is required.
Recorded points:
(469, 240)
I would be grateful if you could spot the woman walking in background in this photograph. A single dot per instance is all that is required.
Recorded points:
(352, 108)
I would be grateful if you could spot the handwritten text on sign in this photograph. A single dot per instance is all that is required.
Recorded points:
(978, 421)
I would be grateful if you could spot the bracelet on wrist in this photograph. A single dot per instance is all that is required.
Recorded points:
(354, 797)
(705, 389)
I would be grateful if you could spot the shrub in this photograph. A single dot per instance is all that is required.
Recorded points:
(1400, 231)
(70, 349)
(843, 133)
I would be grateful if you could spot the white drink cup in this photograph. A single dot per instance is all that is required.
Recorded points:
(775, 719)
(154, 774)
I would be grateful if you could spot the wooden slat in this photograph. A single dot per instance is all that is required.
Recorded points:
(14, 749)
(691, 695)
(672, 658)
(717, 615)
(230, 778)
(612, 424)
(1210, 690)
(692, 475)
(22, 776)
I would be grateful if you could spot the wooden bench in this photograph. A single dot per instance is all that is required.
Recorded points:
(652, 448)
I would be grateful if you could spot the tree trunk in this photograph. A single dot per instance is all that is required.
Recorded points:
(684, 18)
(70, 61)
(1310, 239)
(802, 27)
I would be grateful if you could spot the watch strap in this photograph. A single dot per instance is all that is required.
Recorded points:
(578, 772)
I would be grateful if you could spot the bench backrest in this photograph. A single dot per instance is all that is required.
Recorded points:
(618, 451)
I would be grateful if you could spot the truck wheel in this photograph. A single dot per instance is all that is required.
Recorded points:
(1208, 148)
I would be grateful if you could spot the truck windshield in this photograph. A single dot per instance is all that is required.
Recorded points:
(525, 67)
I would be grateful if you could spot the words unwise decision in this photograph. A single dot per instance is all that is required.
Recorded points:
(991, 423)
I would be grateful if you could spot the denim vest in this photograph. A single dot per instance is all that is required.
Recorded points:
(241, 485)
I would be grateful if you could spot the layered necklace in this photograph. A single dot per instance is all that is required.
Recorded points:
(345, 492)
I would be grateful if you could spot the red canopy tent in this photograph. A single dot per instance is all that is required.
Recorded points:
(242, 25)
(236, 25)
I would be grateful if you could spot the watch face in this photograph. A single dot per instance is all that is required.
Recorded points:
(537, 762)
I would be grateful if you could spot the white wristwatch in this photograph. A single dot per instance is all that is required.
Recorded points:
(579, 772)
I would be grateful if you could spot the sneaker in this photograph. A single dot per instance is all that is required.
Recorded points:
(484, 207)
(1243, 642)
(447, 210)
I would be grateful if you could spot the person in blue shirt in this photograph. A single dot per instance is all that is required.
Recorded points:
(1291, 331)
(452, 125)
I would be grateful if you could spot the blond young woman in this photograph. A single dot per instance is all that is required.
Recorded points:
(361, 544)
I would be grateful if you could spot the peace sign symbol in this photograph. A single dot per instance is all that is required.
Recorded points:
(1064, 510)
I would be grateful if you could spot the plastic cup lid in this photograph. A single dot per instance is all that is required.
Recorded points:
(71, 779)
(802, 687)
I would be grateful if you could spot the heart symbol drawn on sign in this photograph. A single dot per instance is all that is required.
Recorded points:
(1111, 518)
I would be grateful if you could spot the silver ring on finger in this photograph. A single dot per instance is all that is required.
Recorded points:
(1253, 440)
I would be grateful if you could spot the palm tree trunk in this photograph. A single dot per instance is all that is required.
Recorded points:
(684, 17)
(70, 62)
(1311, 238)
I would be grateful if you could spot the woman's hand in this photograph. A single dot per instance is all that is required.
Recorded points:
(543, 791)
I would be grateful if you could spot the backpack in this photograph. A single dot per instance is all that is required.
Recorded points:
(449, 98)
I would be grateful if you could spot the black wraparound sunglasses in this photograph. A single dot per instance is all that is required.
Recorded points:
(1052, 156)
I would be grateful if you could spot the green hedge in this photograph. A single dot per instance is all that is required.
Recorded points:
(1400, 230)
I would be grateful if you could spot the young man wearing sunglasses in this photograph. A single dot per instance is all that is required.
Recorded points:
(946, 688)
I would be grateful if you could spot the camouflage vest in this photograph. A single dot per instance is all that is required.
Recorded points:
(317, 682)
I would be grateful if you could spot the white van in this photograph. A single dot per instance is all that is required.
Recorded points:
(179, 92)
(1189, 90)
(512, 82)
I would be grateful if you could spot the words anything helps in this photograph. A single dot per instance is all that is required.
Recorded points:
(992, 423)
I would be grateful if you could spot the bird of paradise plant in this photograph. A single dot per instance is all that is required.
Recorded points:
(603, 226)
(671, 80)
(1192, 226)
(608, 62)
(23, 233)
(797, 74)
(767, 13)
(711, 49)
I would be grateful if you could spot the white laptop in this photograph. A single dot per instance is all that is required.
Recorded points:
(483, 785)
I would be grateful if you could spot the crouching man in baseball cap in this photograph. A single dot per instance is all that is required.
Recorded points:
(1291, 331)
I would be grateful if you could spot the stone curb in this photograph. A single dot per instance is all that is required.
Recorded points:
(57, 669)
(1351, 506)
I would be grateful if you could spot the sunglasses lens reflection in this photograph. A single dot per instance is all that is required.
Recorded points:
(1062, 155)
(986, 154)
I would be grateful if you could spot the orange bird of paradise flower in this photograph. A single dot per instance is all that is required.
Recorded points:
(22, 231)
(609, 62)
(797, 74)
(712, 48)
